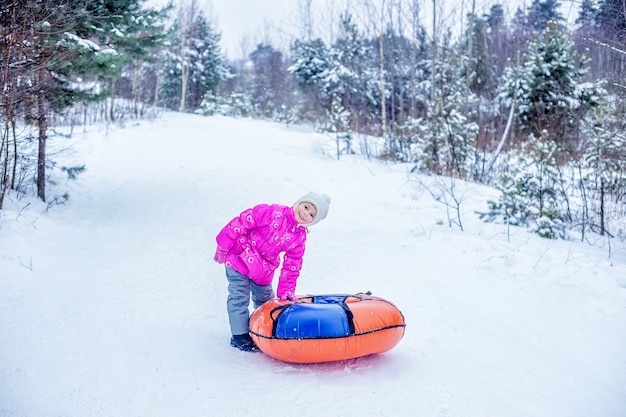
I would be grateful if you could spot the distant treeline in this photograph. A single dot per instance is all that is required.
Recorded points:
(521, 102)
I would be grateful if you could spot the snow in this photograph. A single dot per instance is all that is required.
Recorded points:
(112, 306)
(84, 43)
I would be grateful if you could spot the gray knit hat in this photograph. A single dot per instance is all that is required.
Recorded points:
(321, 203)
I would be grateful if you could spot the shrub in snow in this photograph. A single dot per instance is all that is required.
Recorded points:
(532, 194)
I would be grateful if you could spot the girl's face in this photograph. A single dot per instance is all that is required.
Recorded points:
(305, 213)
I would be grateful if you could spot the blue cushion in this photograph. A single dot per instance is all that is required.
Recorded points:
(308, 321)
(329, 299)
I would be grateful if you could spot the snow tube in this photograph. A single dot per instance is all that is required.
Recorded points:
(325, 328)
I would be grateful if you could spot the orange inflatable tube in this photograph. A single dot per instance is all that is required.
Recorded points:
(325, 328)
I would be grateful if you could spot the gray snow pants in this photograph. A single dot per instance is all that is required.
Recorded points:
(239, 289)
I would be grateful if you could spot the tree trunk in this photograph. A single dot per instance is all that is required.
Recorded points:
(433, 63)
(383, 110)
(156, 90)
(43, 126)
(470, 44)
(7, 102)
(602, 219)
(136, 92)
(509, 122)
(112, 108)
(14, 136)
(183, 89)
(4, 157)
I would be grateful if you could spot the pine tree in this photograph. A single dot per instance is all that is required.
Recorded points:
(338, 123)
(64, 44)
(517, 186)
(207, 64)
(346, 76)
(604, 169)
(137, 41)
(338, 71)
(268, 79)
(310, 63)
(532, 193)
(405, 66)
(480, 69)
(549, 89)
(446, 138)
(611, 42)
(196, 66)
(521, 30)
(170, 89)
(498, 36)
(611, 17)
(541, 12)
(586, 35)
(587, 15)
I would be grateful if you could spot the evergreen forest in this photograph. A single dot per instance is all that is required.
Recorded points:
(528, 103)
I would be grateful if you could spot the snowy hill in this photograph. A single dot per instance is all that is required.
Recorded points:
(112, 306)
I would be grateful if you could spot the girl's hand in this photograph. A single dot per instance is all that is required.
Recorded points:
(220, 256)
(288, 296)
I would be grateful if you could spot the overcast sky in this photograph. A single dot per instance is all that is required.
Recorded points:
(246, 23)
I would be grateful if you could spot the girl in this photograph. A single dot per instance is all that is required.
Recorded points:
(250, 246)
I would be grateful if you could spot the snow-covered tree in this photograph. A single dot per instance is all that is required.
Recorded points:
(58, 53)
(268, 79)
(549, 89)
(207, 67)
(339, 71)
(310, 63)
(338, 123)
(603, 170)
(532, 192)
(140, 43)
(479, 66)
(348, 74)
(406, 67)
(445, 139)
(196, 65)
(541, 12)
(609, 42)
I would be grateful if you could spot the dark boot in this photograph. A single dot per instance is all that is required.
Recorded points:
(243, 342)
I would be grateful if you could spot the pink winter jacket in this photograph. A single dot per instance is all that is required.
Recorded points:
(251, 244)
